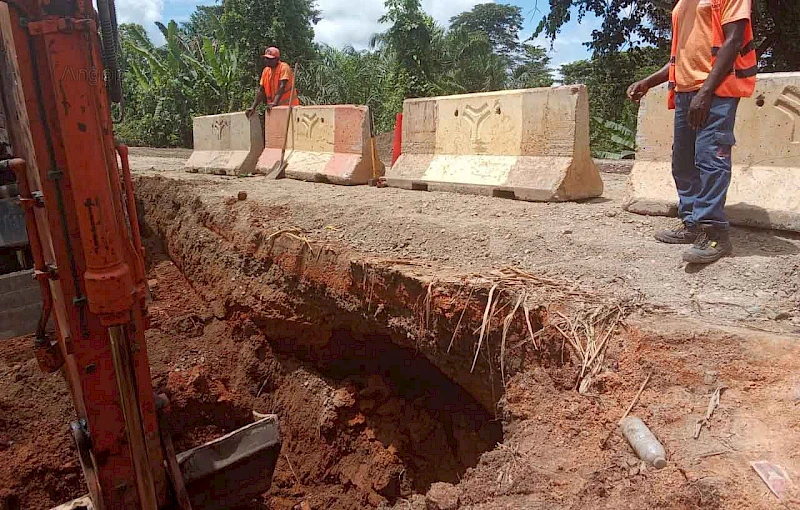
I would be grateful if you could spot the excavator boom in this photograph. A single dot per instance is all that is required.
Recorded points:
(58, 77)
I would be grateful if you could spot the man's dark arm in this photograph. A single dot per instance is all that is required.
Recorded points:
(261, 96)
(638, 90)
(726, 57)
(280, 93)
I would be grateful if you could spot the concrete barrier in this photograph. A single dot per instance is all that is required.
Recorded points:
(13, 234)
(20, 304)
(765, 184)
(227, 144)
(326, 144)
(525, 144)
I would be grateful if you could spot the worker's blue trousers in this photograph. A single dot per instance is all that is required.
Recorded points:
(701, 161)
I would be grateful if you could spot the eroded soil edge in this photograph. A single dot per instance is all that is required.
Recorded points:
(366, 344)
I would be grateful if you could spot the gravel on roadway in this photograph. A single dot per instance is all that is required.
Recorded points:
(593, 243)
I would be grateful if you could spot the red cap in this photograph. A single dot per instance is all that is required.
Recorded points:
(272, 52)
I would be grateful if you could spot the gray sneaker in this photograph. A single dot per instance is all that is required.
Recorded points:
(711, 245)
(684, 234)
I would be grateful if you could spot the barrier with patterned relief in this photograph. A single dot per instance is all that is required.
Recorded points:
(526, 144)
(326, 144)
(765, 181)
(227, 144)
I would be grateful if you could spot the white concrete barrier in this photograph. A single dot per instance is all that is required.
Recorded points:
(227, 144)
(525, 144)
(326, 144)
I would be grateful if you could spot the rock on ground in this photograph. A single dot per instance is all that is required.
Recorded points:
(442, 496)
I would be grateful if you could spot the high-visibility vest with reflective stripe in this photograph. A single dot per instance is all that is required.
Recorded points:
(741, 82)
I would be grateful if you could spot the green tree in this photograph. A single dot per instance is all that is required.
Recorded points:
(348, 76)
(204, 21)
(525, 65)
(466, 62)
(776, 23)
(579, 71)
(607, 77)
(500, 22)
(533, 69)
(646, 21)
(168, 85)
(287, 24)
(409, 41)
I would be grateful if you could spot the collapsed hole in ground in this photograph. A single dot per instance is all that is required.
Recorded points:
(433, 426)
(363, 420)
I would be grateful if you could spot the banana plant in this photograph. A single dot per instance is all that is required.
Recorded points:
(621, 138)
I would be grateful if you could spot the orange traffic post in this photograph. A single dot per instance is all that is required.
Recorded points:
(397, 148)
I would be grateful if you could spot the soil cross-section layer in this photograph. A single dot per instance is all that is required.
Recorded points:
(413, 366)
(593, 243)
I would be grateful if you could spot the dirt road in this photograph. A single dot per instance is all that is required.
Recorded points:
(593, 243)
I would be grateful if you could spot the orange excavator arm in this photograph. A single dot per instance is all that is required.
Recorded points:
(58, 77)
(92, 271)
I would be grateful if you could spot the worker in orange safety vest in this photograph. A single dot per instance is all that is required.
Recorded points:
(713, 65)
(276, 87)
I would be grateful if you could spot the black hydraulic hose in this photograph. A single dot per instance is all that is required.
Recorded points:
(106, 11)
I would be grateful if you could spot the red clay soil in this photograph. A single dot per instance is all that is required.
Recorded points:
(38, 465)
(366, 423)
(561, 448)
(352, 438)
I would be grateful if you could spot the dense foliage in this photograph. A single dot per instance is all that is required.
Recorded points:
(211, 63)
(777, 26)
(607, 78)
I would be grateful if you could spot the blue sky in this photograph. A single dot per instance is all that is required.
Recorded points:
(343, 25)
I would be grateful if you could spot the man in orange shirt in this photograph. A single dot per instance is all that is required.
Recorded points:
(713, 65)
(276, 87)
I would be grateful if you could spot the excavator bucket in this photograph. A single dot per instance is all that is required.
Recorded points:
(226, 473)
(233, 469)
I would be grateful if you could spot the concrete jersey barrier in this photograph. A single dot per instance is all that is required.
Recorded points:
(227, 144)
(20, 304)
(765, 182)
(526, 144)
(326, 144)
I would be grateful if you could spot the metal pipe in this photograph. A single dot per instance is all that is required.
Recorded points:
(129, 402)
(133, 214)
(54, 359)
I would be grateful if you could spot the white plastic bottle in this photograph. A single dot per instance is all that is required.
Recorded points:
(644, 442)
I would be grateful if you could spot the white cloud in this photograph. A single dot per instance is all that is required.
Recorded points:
(343, 25)
(144, 12)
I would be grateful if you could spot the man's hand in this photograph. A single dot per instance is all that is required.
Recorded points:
(700, 109)
(638, 90)
(249, 112)
(269, 108)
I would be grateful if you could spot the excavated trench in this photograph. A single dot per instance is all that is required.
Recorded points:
(371, 366)
(363, 421)
(353, 357)
(434, 427)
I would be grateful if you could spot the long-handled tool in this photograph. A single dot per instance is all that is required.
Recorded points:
(279, 169)
(373, 150)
